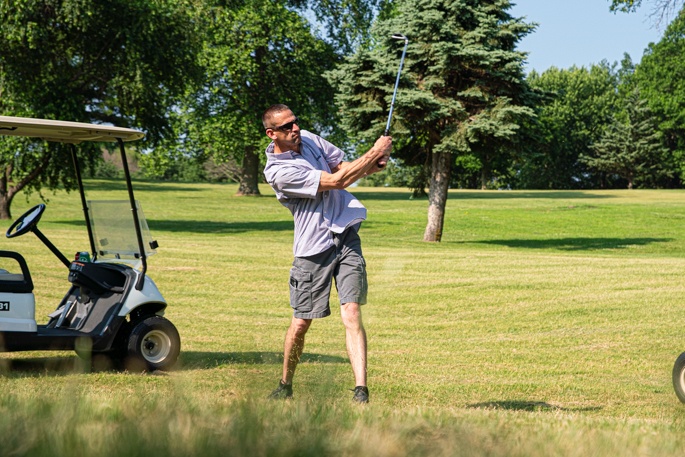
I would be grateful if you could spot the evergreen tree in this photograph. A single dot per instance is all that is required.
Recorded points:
(631, 148)
(462, 94)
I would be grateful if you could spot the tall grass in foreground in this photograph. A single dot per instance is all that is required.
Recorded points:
(545, 323)
(153, 423)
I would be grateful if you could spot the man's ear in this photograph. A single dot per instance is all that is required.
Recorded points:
(271, 134)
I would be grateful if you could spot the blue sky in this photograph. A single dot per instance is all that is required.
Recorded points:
(582, 32)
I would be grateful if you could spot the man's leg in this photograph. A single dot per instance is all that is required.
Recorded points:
(356, 340)
(294, 345)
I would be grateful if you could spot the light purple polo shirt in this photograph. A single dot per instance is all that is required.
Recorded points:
(295, 179)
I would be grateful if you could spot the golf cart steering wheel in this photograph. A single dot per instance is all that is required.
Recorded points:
(26, 221)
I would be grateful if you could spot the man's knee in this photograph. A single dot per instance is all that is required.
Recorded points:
(351, 314)
(300, 326)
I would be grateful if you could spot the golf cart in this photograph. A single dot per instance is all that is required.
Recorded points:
(112, 309)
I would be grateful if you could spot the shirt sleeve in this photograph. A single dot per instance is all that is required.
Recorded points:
(297, 182)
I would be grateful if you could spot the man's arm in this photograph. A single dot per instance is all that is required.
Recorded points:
(346, 173)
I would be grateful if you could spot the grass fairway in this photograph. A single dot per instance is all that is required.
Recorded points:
(545, 323)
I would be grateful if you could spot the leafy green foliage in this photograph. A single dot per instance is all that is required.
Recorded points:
(346, 21)
(580, 102)
(255, 54)
(625, 5)
(659, 81)
(122, 62)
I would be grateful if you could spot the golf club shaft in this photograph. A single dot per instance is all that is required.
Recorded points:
(397, 82)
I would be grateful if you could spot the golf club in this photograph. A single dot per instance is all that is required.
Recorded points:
(395, 36)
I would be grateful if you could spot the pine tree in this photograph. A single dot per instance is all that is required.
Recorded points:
(631, 148)
(462, 92)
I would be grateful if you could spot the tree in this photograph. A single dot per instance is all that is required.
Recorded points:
(122, 62)
(462, 93)
(631, 147)
(579, 104)
(258, 53)
(346, 21)
(659, 78)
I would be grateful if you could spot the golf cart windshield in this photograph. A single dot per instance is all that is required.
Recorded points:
(114, 233)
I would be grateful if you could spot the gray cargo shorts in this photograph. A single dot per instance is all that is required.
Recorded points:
(311, 277)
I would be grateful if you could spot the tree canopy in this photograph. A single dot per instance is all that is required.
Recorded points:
(579, 103)
(122, 62)
(257, 53)
(657, 77)
(661, 9)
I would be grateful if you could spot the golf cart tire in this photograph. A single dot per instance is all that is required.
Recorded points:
(153, 344)
(679, 377)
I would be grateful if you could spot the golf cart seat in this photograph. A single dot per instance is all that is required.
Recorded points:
(18, 283)
(98, 277)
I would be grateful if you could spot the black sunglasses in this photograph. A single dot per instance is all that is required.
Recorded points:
(288, 126)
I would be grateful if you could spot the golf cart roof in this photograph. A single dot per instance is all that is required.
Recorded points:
(65, 131)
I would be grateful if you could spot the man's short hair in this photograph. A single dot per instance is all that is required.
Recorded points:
(269, 113)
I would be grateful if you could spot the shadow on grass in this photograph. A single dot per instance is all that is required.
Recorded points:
(526, 405)
(158, 225)
(483, 195)
(41, 366)
(193, 359)
(382, 196)
(577, 244)
(546, 194)
(188, 360)
(115, 185)
(163, 225)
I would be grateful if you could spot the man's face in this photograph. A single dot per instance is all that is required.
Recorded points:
(284, 130)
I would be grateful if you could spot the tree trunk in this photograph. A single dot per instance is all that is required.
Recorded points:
(484, 172)
(249, 173)
(5, 202)
(441, 167)
(6, 194)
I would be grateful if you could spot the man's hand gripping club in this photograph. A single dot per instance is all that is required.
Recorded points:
(346, 173)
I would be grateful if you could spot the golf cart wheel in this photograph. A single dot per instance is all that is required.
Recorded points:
(679, 377)
(153, 344)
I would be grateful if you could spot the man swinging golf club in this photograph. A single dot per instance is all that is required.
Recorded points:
(309, 177)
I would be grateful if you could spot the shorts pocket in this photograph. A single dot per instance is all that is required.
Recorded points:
(301, 290)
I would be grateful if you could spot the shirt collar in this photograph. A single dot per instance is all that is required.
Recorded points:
(283, 155)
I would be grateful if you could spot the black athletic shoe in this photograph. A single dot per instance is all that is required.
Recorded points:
(283, 392)
(361, 394)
